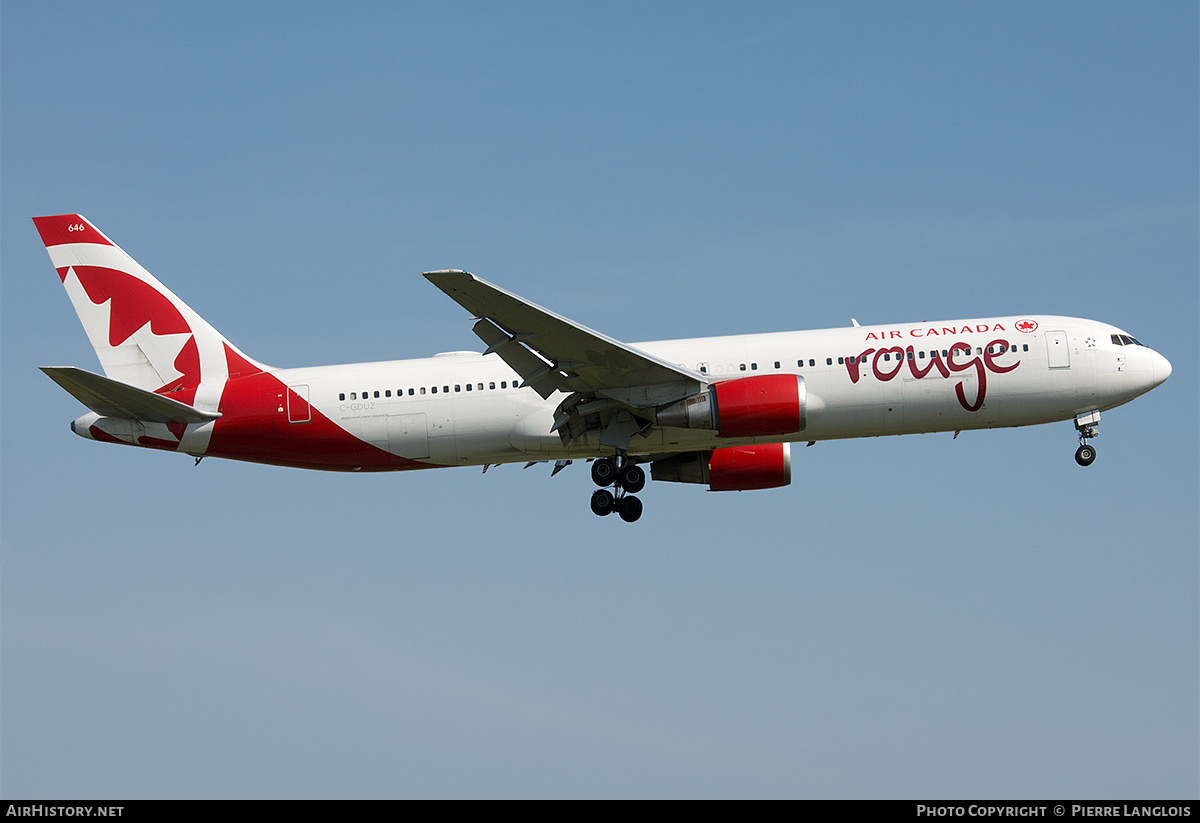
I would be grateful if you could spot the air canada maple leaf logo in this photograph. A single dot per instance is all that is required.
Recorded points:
(139, 312)
(1026, 326)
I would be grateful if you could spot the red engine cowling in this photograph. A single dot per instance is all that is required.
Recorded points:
(764, 405)
(754, 406)
(738, 468)
(743, 468)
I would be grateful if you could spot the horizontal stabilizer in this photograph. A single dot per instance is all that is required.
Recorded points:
(110, 398)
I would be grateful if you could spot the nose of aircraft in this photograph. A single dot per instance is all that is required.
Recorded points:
(1161, 367)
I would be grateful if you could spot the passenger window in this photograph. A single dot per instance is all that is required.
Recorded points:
(481, 387)
(742, 367)
(377, 394)
(422, 390)
(445, 389)
(841, 361)
(468, 387)
(387, 393)
(776, 364)
(342, 396)
(753, 367)
(504, 384)
(829, 361)
(434, 389)
(353, 395)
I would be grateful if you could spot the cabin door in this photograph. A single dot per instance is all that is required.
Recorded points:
(298, 409)
(1058, 350)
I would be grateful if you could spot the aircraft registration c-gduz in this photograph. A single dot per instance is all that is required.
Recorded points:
(717, 411)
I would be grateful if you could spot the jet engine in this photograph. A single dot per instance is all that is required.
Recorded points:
(737, 468)
(766, 404)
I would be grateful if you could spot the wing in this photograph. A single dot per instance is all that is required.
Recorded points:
(610, 385)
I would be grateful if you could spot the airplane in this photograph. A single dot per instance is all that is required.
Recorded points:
(716, 411)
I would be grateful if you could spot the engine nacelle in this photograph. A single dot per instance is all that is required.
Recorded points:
(766, 404)
(738, 468)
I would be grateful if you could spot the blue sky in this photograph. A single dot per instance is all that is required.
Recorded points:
(912, 617)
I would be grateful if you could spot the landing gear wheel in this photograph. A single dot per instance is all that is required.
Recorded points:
(604, 471)
(629, 507)
(603, 502)
(632, 478)
(1084, 455)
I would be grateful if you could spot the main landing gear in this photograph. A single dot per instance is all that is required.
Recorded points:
(1086, 424)
(626, 481)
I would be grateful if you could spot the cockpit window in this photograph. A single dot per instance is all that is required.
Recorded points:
(1126, 340)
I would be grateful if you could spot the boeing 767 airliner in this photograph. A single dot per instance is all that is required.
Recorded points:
(718, 411)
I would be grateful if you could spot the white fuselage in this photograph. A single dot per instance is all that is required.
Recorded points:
(464, 408)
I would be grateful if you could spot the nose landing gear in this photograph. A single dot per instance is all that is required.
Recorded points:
(626, 481)
(1085, 454)
(1086, 424)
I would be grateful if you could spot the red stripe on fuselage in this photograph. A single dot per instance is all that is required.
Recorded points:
(158, 443)
(254, 426)
(100, 434)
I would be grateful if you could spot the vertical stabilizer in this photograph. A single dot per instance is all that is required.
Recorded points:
(143, 334)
